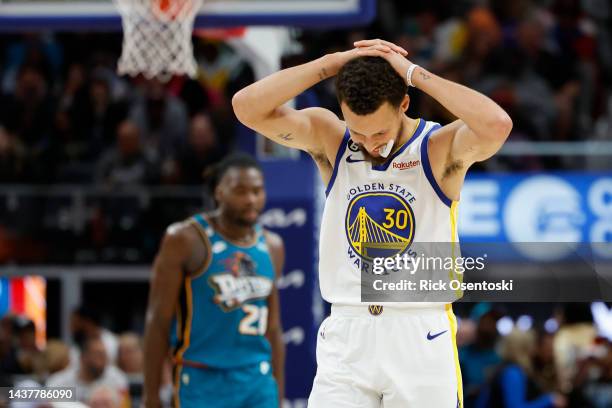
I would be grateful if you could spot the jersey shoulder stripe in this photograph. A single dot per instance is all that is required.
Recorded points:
(339, 154)
(427, 167)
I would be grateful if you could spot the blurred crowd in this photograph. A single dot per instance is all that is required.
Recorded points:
(563, 363)
(66, 117)
(547, 62)
(558, 363)
(105, 369)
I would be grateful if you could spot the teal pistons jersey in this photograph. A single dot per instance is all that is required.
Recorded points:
(222, 315)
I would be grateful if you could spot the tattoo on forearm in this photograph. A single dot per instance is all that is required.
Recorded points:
(424, 75)
(285, 136)
(323, 74)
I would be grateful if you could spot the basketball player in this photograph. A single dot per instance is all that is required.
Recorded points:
(214, 302)
(390, 165)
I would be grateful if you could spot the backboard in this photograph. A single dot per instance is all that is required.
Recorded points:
(101, 15)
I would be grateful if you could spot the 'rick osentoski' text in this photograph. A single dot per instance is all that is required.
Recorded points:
(439, 285)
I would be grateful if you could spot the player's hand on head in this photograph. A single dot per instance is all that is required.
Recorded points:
(340, 58)
(394, 54)
(372, 51)
(388, 46)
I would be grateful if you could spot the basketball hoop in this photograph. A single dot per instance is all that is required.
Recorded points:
(157, 37)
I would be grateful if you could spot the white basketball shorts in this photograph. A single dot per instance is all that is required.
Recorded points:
(375, 356)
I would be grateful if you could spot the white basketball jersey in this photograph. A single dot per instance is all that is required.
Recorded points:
(394, 204)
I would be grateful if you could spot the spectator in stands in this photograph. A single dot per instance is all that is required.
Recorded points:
(193, 94)
(31, 48)
(74, 84)
(68, 149)
(482, 47)
(218, 65)
(594, 375)
(86, 322)
(479, 359)
(573, 340)
(513, 386)
(13, 159)
(56, 357)
(28, 112)
(162, 120)
(129, 357)
(575, 38)
(544, 363)
(104, 396)
(85, 123)
(28, 115)
(544, 81)
(128, 163)
(28, 354)
(201, 151)
(95, 114)
(8, 351)
(93, 371)
(130, 361)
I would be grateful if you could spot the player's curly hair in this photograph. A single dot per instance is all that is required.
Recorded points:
(365, 83)
(214, 173)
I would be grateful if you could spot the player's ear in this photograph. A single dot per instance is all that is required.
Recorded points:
(405, 103)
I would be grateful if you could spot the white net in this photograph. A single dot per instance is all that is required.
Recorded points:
(157, 37)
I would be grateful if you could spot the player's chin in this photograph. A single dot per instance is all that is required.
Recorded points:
(250, 217)
(374, 156)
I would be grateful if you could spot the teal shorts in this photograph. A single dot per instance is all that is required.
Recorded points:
(252, 386)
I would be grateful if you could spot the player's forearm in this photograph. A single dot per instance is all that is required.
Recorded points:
(484, 117)
(155, 350)
(261, 98)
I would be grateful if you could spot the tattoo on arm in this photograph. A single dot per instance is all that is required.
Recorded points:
(285, 136)
(323, 74)
(424, 75)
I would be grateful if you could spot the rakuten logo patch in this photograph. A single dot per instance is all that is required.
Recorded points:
(406, 165)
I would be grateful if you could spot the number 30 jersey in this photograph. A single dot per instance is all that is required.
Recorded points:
(222, 316)
(379, 209)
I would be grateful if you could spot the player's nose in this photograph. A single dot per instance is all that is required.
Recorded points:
(251, 198)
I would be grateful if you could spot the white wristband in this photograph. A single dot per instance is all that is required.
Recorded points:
(409, 74)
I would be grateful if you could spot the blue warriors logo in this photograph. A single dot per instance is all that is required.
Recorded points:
(379, 224)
